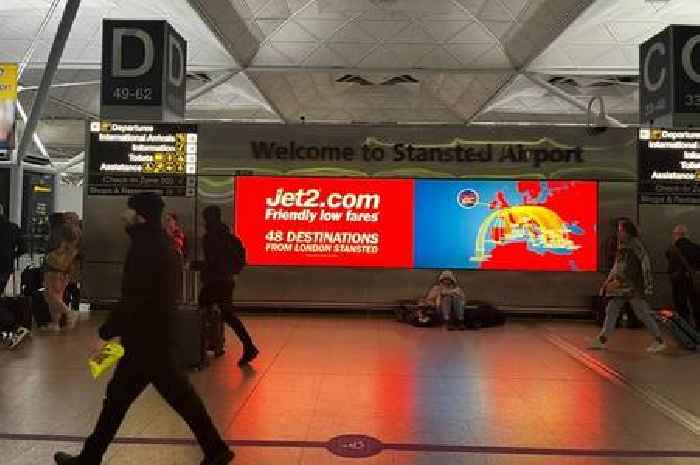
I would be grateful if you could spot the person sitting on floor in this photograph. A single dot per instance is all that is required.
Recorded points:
(448, 298)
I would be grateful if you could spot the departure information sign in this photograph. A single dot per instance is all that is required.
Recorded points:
(669, 166)
(128, 158)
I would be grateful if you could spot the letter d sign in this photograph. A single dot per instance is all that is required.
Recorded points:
(120, 52)
(143, 71)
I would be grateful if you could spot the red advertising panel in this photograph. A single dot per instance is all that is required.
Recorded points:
(325, 221)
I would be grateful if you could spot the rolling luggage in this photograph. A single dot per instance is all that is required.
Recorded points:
(187, 335)
(680, 330)
(31, 280)
(39, 308)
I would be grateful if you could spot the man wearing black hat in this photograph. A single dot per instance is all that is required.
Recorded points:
(149, 295)
(218, 276)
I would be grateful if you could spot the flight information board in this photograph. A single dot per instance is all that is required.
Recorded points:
(669, 166)
(128, 158)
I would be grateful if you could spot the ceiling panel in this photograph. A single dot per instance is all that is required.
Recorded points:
(605, 38)
(84, 44)
(378, 97)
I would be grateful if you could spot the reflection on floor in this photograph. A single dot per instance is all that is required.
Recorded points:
(427, 396)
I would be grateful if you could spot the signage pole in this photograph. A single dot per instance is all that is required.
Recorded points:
(42, 95)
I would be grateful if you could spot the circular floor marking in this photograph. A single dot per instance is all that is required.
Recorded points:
(355, 446)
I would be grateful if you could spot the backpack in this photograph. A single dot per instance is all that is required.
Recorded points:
(233, 254)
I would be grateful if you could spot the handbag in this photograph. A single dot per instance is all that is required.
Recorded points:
(692, 274)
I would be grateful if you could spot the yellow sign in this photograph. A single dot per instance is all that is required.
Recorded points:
(8, 81)
(8, 99)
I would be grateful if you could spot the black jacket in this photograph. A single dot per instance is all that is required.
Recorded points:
(149, 293)
(11, 245)
(215, 269)
(691, 252)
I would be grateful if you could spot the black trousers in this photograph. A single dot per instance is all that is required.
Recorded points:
(4, 279)
(683, 293)
(220, 293)
(130, 378)
(71, 296)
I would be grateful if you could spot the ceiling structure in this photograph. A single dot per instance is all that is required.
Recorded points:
(358, 61)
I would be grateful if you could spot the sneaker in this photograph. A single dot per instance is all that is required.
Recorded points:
(18, 337)
(222, 458)
(597, 344)
(248, 356)
(656, 347)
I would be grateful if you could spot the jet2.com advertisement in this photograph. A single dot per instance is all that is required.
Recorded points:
(409, 223)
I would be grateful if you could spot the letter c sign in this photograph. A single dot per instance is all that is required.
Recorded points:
(687, 58)
(659, 48)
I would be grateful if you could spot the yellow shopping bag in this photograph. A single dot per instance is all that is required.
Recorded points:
(105, 359)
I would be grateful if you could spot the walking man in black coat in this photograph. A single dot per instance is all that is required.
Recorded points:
(149, 295)
(682, 254)
(224, 256)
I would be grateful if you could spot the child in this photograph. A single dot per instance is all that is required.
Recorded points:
(448, 298)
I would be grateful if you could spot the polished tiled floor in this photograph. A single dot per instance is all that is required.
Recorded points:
(506, 388)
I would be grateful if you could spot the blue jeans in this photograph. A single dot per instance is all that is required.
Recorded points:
(452, 306)
(640, 307)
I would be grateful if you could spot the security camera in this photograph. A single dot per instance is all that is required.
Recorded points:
(596, 124)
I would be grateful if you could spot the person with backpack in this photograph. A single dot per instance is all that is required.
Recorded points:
(224, 258)
(144, 322)
(630, 280)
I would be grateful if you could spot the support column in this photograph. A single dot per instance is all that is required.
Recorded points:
(16, 186)
(42, 95)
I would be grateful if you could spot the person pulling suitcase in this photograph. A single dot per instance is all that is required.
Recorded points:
(143, 322)
(224, 257)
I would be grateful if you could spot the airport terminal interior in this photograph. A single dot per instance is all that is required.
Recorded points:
(386, 232)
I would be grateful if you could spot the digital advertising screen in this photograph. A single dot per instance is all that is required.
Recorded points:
(325, 221)
(407, 223)
(669, 166)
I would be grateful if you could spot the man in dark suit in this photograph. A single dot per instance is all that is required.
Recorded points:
(684, 254)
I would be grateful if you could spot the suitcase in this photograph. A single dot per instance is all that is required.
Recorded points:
(20, 310)
(31, 280)
(187, 337)
(683, 324)
(671, 325)
(39, 308)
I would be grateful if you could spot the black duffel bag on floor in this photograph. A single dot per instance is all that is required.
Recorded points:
(480, 314)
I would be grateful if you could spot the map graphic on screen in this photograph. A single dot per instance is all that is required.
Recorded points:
(507, 225)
